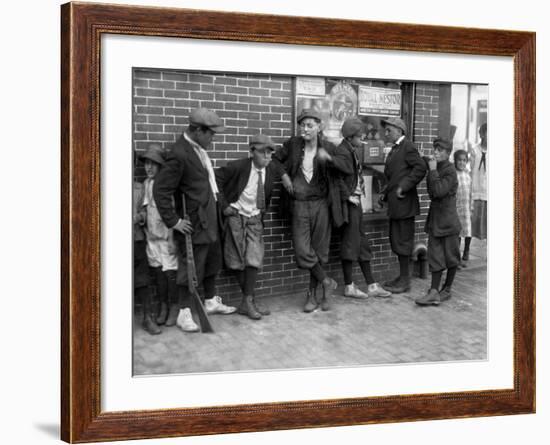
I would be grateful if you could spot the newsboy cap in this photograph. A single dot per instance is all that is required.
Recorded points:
(203, 117)
(309, 112)
(444, 144)
(352, 126)
(261, 141)
(154, 153)
(395, 122)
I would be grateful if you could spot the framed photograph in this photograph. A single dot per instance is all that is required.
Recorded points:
(140, 86)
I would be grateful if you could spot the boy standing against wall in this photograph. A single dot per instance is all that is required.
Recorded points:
(245, 187)
(303, 160)
(442, 224)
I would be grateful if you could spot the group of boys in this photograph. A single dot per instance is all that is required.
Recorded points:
(323, 185)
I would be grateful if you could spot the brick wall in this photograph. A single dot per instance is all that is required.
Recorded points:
(250, 104)
(426, 129)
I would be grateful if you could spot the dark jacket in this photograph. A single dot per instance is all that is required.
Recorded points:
(288, 159)
(442, 217)
(233, 177)
(346, 168)
(184, 174)
(404, 168)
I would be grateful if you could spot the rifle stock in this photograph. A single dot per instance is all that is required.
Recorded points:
(192, 280)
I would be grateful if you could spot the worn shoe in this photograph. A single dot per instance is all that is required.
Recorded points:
(328, 287)
(150, 326)
(173, 312)
(311, 302)
(248, 308)
(400, 286)
(393, 282)
(185, 321)
(445, 294)
(430, 299)
(261, 307)
(466, 255)
(163, 313)
(375, 290)
(352, 291)
(215, 305)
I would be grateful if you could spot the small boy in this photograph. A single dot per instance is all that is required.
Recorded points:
(245, 187)
(142, 280)
(442, 223)
(161, 247)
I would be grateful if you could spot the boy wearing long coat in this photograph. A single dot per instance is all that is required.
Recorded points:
(188, 173)
(404, 169)
(442, 224)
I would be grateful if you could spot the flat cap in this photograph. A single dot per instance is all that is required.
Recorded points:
(352, 126)
(154, 153)
(395, 122)
(444, 144)
(309, 112)
(261, 141)
(203, 117)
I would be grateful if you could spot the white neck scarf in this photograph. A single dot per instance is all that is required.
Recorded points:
(206, 163)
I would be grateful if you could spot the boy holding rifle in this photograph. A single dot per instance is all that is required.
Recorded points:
(188, 173)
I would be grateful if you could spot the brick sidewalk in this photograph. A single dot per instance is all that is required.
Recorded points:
(353, 332)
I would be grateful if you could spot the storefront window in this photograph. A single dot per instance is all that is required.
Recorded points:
(467, 109)
(370, 100)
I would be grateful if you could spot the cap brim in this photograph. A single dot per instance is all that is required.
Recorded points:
(393, 124)
(301, 118)
(262, 147)
(143, 157)
(218, 129)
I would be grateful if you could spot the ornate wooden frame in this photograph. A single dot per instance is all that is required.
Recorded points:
(82, 26)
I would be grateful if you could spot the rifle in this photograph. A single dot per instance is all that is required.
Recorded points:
(192, 280)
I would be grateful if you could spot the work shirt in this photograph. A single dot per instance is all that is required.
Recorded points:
(246, 205)
(308, 164)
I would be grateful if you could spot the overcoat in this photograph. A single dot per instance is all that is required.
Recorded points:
(403, 168)
(442, 217)
(184, 174)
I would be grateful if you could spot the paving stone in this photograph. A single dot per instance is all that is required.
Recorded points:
(353, 333)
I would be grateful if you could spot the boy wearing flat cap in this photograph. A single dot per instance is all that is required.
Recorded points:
(442, 224)
(188, 173)
(303, 161)
(355, 243)
(404, 169)
(245, 187)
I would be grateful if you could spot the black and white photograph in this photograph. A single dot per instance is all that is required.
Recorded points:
(292, 222)
(267, 222)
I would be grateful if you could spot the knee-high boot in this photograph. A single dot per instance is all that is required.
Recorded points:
(148, 322)
(162, 294)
